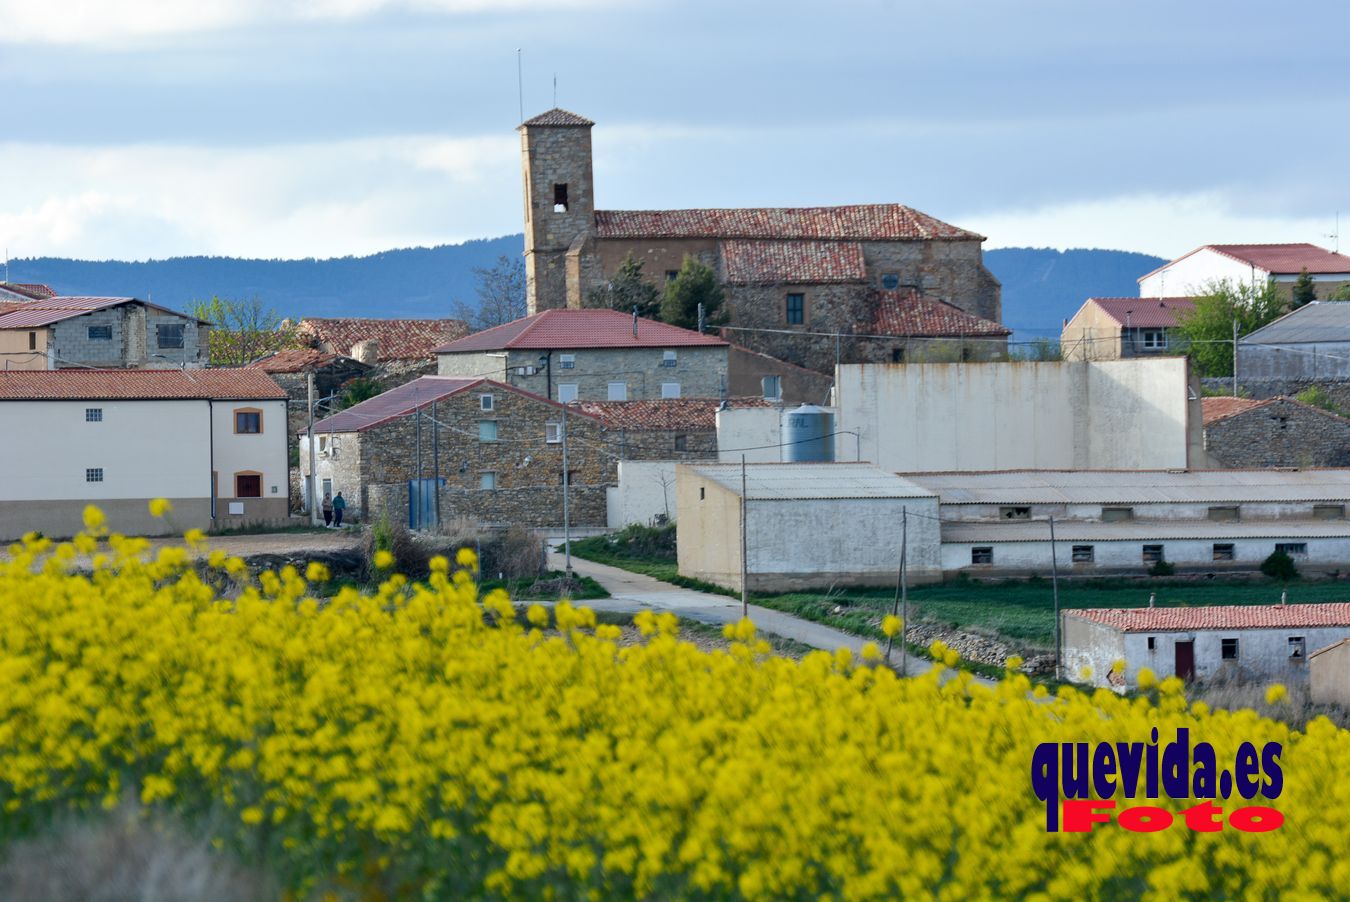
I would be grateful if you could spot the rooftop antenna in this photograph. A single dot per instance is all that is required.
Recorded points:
(6, 266)
(555, 90)
(1334, 236)
(520, 84)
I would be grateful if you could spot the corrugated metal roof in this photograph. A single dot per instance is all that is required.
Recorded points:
(1219, 617)
(54, 310)
(1140, 530)
(804, 481)
(1135, 486)
(1318, 322)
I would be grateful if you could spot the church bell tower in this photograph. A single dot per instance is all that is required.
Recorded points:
(559, 201)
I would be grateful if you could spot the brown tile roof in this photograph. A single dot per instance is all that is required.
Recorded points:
(138, 385)
(860, 222)
(408, 397)
(299, 360)
(568, 328)
(558, 117)
(399, 339)
(1145, 313)
(1280, 259)
(1215, 409)
(1219, 617)
(28, 289)
(674, 414)
(793, 262)
(905, 312)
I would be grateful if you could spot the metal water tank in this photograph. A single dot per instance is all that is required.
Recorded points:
(808, 434)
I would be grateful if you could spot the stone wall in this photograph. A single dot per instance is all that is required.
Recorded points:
(533, 506)
(746, 370)
(133, 339)
(554, 156)
(1280, 434)
(951, 271)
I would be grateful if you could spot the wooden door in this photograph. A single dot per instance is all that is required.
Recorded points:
(1185, 660)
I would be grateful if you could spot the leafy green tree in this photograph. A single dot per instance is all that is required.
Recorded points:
(1303, 292)
(362, 388)
(244, 331)
(1208, 329)
(695, 284)
(1341, 294)
(626, 291)
(1280, 566)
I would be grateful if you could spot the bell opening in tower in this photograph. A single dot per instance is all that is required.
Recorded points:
(560, 198)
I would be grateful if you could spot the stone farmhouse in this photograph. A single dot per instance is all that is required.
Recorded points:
(1112, 328)
(1276, 432)
(438, 448)
(803, 284)
(1253, 264)
(107, 333)
(399, 349)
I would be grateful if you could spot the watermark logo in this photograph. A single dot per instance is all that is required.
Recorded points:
(1077, 781)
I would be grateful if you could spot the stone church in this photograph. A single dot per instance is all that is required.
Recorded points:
(860, 283)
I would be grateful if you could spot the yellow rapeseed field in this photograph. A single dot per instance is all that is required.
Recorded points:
(421, 742)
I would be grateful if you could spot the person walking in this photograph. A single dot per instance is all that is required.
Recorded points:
(327, 510)
(339, 505)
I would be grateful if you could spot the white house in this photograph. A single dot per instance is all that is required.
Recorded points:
(1253, 642)
(213, 442)
(1252, 264)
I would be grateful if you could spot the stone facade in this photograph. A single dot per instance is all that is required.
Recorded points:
(747, 370)
(700, 372)
(133, 332)
(1280, 433)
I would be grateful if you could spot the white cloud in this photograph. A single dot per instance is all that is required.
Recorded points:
(1166, 225)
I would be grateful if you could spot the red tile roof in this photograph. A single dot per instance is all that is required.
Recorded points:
(299, 360)
(138, 385)
(406, 398)
(860, 222)
(1145, 313)
(793, 262)
(677, 414)
(1279, 259)
(1215, 409)
(54, 310)
(1219, 617)
(399, 339)
(905, 312)
(594, 328)
(558, 117)
(28, 289)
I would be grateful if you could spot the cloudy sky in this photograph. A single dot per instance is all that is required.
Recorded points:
(288, 128)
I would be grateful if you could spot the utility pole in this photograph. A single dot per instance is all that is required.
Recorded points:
(745, 570)
(436, 462)
(1235, 363)
(567, 510)
(313, 474)
(901, 597)
(1054, 584)
(417, 416)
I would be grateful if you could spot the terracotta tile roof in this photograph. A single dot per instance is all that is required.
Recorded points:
(674, 414)
(406, 398)
(860, 222)
(1279, 259)
(558, 117)
(29, 290)
(1145, 313)
(299, 360)
(399, 339)
(905, 312)
(794, 262)
(1215, 409)
(1219, 617)
(138, 385)
(594, 328)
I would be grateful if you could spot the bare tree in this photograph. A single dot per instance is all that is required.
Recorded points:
(501, 295)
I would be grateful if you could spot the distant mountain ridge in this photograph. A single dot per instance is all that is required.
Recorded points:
(1041, 286)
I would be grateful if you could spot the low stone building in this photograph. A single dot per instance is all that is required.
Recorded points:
(399, 349)
(100, 332)
(438, 449)
(593, 355)
(751, 374)
(1275, 432)
(1260, 643)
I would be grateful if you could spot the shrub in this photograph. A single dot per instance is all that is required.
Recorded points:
(644, 542)
(1279, 566)
(1162, 568)
(410, 556)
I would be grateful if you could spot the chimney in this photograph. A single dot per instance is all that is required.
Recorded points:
(1283, 596)
(367, 351)
(635, 318)
(1152, 597)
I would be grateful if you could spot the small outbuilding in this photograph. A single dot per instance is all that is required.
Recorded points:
(807, 525)
(1329, 675)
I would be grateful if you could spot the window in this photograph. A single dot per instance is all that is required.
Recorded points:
(681, 442)
(1154, 339)
(982, 554)
(966, 355)
(568, 478)
(93, 474)
(1152, 643)
(567, 392)
(1116, 514)
(100, 333)
(672, 274)
(1280, 423)
(485, 402)
(560, 198)
(567, 361)
(1153, 554)
(890, 280)
(617, 391)
(668, 358)
(247, 422)
(670, 389)
(327, 487)
(1329, 511)
(93, 414)
(487, 480)
(1223, 551)
(1228, 649)
(169, 336)
(897, 355)
(1014, 513)
(553, 433)
(32, 341)
(487, 430)
(702, 492)
(796, 309)
(1083, 554)
(1223, 513)
(248, 485)
(1297, 647)
(772, 387)
(1293, 549)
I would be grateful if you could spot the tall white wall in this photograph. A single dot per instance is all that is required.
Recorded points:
(758, 428)
(1116, 414)
(646, 488)
(263, 453)
(1190, 274)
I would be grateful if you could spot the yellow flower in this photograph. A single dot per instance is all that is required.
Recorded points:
(195, 538)
(1014, 662)
(160, 507)
(467, 559)
(890, 625)
(251, 815)
(1118, 666)
(537, 615)
(439, 564)
(316, 572)
(383, 560)
(870, 652)
(1275, 693)
(93, 517)
(1146, 678)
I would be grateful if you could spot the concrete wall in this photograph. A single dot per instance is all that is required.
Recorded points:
(1120, 414)
(1090, 645)
(1304, 361)
(134, 339)
(646, 490)
(263, 453)
(755, 432)
(1329, 675)
(15, 353)
(1020, 558)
